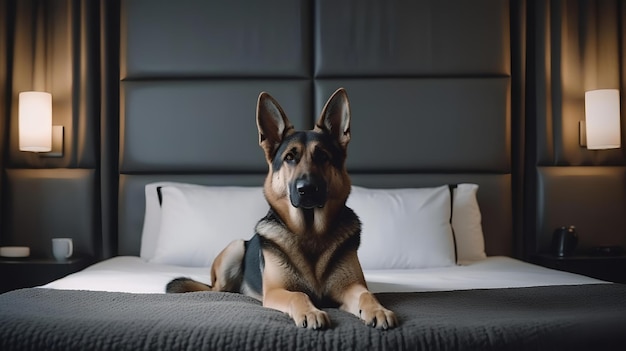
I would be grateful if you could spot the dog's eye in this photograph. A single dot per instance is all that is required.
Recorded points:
(289, 157)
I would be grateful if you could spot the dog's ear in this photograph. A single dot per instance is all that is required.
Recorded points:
(335, 117)
(272, 123)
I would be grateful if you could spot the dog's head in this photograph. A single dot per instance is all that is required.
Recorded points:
(306, 168)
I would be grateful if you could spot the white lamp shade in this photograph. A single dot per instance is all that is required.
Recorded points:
(602, 119)
(35, 121)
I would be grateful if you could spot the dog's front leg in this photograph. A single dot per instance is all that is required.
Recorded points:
(296, 304)
(359, 301)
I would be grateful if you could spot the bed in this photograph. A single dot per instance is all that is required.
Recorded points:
(457, 298)
(496, 303)
(440, 181)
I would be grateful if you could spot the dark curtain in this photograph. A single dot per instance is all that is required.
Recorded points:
(70, 49)
(576, 46)
(518, 30)
(571, 46)
(5, 93)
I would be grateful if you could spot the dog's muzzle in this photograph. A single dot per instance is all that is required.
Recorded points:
(308, 192)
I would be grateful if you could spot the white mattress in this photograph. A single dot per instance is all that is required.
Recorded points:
(134, 275)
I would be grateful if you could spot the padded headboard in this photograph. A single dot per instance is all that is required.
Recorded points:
(428, 82)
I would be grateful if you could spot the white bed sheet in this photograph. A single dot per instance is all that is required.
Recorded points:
(135, 275)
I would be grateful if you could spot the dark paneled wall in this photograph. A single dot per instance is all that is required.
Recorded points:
(117, 69)
(188, 93)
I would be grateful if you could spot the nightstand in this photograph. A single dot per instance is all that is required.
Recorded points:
(16, 273)
(611, 268)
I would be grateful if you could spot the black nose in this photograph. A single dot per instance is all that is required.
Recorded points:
(308, 192)
(306, 187)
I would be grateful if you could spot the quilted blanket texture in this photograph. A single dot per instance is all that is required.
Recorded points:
(561, 317)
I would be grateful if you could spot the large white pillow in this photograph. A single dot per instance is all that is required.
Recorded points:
(467, 225)
(197, 222)
(152, 217)
(404, 228)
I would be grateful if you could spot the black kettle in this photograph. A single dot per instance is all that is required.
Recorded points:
(564, 241)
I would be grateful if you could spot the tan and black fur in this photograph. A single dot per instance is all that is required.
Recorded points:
(304, 253)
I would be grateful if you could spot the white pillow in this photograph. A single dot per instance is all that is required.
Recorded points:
(466, 222)
(152, 217)
(404, 228)
(197, 222)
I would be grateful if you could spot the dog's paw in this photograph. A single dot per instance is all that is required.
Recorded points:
(374, 314)
(312, 319)
(379, 318)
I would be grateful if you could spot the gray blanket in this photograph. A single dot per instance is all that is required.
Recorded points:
(562, 317)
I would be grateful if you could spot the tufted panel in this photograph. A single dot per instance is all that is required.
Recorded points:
(409, 38)
(591, 198)
(454, 124)
(193, 126)
(49, 203)
(234, 38)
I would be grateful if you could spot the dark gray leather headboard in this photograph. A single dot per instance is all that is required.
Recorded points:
(428, 82)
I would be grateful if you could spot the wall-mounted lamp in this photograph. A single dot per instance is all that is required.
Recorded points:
(36, 132)
(601, 128)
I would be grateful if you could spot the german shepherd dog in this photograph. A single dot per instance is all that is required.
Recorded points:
(304, 252)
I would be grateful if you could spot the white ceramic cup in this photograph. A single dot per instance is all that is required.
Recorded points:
(62, 248)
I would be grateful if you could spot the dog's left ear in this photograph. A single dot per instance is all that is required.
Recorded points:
(335, 117)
